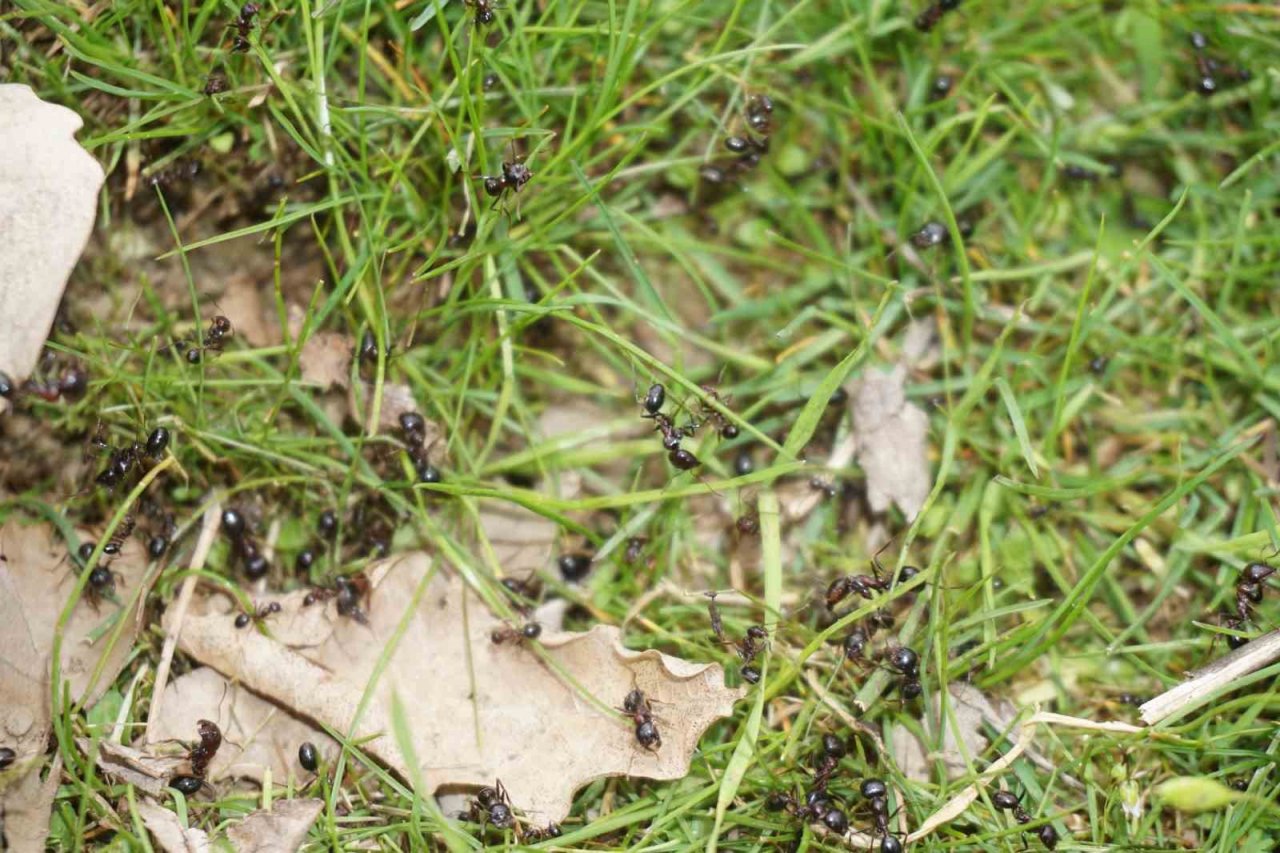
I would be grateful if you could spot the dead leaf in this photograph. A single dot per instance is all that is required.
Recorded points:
(474, 714)
(522, 540)
(48, 200)
(256, 734)
(146, 772)
(921, 347)
(917, 761)
(24, 809)
(168, 831)
(279, 830)
(36, 580)
(325, 360)
(891, 442)
(252, 316)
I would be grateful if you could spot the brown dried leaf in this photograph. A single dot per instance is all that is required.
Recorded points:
(146, 772)
(493, 711)
(891, 437)
(25, 806)
(169, 832)
(257, 735)
(522, 540)
(280, 830)
(36, 580)
(326, 360)
(252, 316)
(48, 199)
(971, 709)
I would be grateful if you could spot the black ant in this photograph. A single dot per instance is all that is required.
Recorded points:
(551, 830)
(817, 808)
(243, 25)
(215, 84)
(574, 566)
(728, 429)
(929, 18)
(672, 435)
(855, 643)
(1207, 68)
(760, 114)
(833, 749)
(515, 175)
(654, 400)
(876, 793)
(1006, 801)
(203, 752)
(122, 461)
(309, 756)
(906, 663)
(243, 620)
(350, 590)
(1249, 591)
(220, 331)
(493, 805)
(931, 234)
(508, 634)
(636, 706)
(484, 14)
(528, 590)
(121, 535)
(187, 785)
(713, 612)
(635, 549)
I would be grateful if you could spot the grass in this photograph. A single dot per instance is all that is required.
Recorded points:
(1102, 405)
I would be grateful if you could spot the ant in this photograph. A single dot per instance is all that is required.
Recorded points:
(551, 830)
(1207, 67)
(243, 620)
(636, 706)
(243, 25)
(574, 566)
(515, 175)
(728, 429)
(219, 332)
(1006, 801)
(121, 535)
(654, 400)
(906, 663)
(833, 749)
(817, 808)
(350, 590)
(308, 756)
(635, 549)
(1249, 591)
(929, 18)
(203, 752)
(527, 590)
(508, 634)
(493, 805)
(121, 462)
(760, 114)
(187, 785)
(931, 234)
(876, 793)
(855, 643)
(672, 435)
(484, 14)
(216, 84)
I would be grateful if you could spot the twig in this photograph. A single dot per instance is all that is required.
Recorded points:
(208, 530)
(1250, 657)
